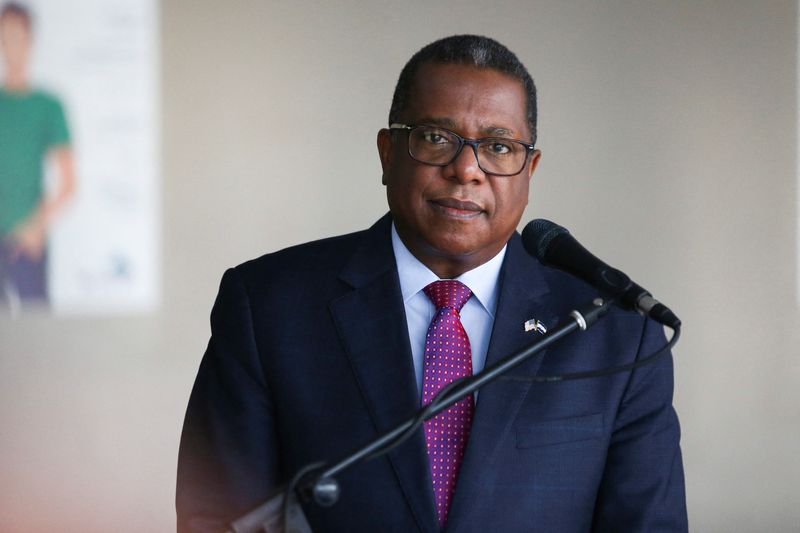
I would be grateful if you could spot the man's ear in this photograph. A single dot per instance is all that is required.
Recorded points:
(534, 162)
(384, 151)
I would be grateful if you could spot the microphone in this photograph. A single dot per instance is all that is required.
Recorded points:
(554, 246)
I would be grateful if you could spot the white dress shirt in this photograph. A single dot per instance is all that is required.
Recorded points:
(477, 315)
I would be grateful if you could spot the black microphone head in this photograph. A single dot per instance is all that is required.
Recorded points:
(538, 234)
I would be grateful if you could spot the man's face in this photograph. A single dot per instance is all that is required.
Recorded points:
(455, 218)
(15, 40)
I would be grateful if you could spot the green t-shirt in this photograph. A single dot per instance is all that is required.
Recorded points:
(31, 123)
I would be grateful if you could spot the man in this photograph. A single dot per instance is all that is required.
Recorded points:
(32, 128)
(317, 349)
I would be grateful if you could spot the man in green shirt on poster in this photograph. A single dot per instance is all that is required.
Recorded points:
(32, 128)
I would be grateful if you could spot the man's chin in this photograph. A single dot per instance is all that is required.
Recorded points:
(456, 250)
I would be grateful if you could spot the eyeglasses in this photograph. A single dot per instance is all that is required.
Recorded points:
(437, 146)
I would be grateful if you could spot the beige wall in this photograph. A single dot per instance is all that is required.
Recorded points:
(669, 138)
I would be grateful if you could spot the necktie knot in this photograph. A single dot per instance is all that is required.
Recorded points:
(448, 293)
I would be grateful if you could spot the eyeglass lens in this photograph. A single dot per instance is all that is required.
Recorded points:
(437, 146)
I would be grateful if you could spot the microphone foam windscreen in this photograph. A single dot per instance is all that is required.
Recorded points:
(538, 234)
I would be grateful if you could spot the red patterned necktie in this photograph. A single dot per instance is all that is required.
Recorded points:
(447, 357)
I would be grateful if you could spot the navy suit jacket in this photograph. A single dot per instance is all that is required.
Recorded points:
(309, 358)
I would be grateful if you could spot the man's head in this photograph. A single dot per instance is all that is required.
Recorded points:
(15, 37)
(452, 214)
(475, 50)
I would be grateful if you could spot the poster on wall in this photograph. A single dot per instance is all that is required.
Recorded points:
(79, 202)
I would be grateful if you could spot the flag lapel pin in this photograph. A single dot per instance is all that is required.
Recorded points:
(535, 325)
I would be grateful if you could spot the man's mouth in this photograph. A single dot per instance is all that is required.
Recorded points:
(453, 207)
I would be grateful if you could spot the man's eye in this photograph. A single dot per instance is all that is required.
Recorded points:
(434, 137)
(499, 148)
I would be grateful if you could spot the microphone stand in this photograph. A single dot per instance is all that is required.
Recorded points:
(282, 514)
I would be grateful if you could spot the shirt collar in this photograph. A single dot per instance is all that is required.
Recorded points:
(415, 276)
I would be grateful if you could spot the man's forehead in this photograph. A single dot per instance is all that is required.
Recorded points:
(457, 96)
(15, 18)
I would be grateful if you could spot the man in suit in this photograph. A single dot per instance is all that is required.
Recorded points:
(317, 349)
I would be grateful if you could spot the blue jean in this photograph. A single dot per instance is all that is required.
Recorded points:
(26, 276)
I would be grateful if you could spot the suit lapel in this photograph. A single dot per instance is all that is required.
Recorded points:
(523, 296)
(372, 327)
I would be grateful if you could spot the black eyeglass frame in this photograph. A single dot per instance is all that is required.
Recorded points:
(408, 128)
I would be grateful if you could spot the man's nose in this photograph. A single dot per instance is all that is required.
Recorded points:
(464, 167)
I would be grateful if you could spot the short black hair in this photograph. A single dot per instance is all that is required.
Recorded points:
(18, 10)
(474, 50)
